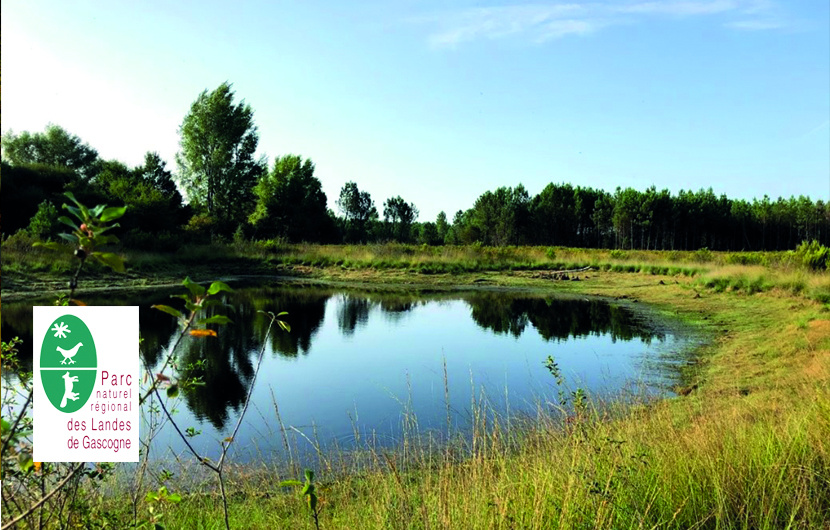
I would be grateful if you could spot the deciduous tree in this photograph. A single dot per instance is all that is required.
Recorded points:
(358, 210)
(400, 215)
(53, 147)
(291, 202)
(217, 164)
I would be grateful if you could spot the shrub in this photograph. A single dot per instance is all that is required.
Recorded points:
(813, 255)
(703, 255)
(199, 227)
(44, 224)
(619, 254)
(20, 241)
(745, 258)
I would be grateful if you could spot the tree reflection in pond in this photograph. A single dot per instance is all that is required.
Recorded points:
(558, 318)
(393, 323)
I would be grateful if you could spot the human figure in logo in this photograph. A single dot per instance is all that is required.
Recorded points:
(67, 385)
(68, 354)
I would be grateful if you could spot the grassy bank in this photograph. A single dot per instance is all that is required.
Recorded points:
(746, 445)
(28, 268)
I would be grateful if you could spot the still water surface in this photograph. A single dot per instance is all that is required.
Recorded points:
(356, 361)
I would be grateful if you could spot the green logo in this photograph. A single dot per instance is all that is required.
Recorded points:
(68, 363)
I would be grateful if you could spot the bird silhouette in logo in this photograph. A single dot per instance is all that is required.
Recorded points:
(68, 354)
(68, 382)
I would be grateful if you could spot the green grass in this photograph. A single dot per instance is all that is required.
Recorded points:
(656, 467)
(18, 257)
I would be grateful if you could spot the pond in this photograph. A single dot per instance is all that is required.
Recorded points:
(356, 364)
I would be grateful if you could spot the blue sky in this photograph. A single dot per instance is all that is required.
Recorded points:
(441, 101)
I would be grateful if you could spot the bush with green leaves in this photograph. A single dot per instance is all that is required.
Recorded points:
(44, 224)
(89, 233)
(813, 255)
(704, 255)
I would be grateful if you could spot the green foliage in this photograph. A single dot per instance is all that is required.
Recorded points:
(195, 302)
(155, 173)
(813, 255)
(564, 215)
(703, 255)
(91, 234)
(358, 211)
(26, 187)
(747, 258)
(399, 215)
(155, 203)
(308, 492)
(497, 218)
(157, 502)
(16, 434)
(290, 202)
(53, 147)
(552, 211)
(442, 227)
(559, 379)
(200, 224)
(44, 224)
(428, 234)
(217, 167)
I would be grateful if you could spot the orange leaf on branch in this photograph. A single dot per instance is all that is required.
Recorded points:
(203, 333)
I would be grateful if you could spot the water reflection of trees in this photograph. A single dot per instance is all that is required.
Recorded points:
(157, 330)
(17, 322)
(228, 360)
(351, 312)
(353, 309)
(306, 310)
(226, 363)
(558, 319)
(156, 327)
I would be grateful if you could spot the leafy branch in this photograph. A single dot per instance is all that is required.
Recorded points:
(192, 324)
(87, 234)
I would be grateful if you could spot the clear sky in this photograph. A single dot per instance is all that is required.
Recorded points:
(441, 101)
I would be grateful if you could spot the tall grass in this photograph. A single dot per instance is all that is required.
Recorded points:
(475, 258)
(755, 279)
(655, 467)
(18, 256)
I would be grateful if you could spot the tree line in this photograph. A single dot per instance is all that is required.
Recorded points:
(222, 190)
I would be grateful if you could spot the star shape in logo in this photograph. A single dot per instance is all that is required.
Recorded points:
(61, 330)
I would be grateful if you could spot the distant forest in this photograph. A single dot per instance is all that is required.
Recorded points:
(221, 192)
